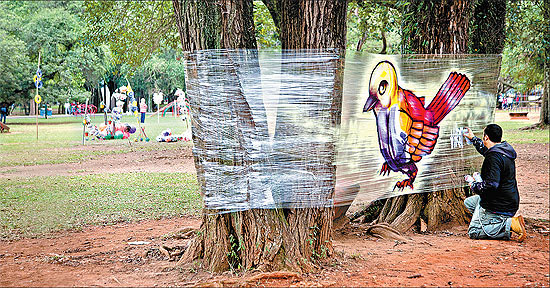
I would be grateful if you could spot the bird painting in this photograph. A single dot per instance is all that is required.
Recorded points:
(408, 131)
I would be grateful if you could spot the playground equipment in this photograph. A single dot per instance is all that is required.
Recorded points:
(165, 109)
(83, 109)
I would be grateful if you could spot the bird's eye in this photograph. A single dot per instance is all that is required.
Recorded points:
(382, 87)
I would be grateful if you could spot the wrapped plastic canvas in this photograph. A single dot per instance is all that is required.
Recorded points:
(297, 129)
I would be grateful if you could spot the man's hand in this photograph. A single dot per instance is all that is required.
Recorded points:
(469, 134)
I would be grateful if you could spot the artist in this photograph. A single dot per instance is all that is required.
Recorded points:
(497, 199)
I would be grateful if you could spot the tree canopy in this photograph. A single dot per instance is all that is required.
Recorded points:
(523, 56)
(54, 30)
(82, 43)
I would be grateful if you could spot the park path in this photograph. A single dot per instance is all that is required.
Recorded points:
(168, 161)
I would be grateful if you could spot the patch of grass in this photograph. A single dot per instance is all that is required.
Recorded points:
(513, 135)
(60, 141)
(37, 206)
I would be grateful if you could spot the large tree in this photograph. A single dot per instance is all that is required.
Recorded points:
(262, 238)
(443, 27)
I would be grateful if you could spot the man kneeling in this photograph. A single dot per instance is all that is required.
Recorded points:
(498, 197)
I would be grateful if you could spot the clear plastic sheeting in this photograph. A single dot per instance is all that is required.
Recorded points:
(360, 161)
(290, 129)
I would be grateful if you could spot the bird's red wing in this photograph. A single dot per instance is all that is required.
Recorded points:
(422, 137)
(414, 106)
(421, 140)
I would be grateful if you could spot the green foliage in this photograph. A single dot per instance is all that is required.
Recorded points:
(267, 35)
(14, 70)
(134, 30)
(233, 255)
(144, 44)
(487, 27)
(53, 29)
(366, 20)
(523, 56)
(161, 72)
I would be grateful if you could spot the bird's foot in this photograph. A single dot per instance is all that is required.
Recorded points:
(402, 184)
(385, 169)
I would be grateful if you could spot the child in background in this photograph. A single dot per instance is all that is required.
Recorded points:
(142, 109)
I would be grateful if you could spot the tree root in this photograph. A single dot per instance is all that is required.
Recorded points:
(172, 252)
(250, 281)
(385, 231)
(184, 233)
(539, 125)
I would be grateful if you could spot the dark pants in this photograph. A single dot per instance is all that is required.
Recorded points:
(142, 117)
(3, 118)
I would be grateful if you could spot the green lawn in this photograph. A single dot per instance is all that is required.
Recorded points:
(60, 140)
(513, 135)
(36, 206)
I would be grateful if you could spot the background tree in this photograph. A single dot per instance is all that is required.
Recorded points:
(375, 23)
(54, 29)
(267, 33)
(134, 29)
(526, 52)
(15, 68)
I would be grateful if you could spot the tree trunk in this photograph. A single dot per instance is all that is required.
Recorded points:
(384, 44)
(545, 101)
(434, 27)
(267, 239)
(313, 24)
(275, 12)
(362, 41)
(437, 27)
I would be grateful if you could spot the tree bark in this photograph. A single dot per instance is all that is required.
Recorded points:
(437, 27)
(268, 239)
(313, 24)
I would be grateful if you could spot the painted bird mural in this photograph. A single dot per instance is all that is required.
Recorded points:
(406, 130)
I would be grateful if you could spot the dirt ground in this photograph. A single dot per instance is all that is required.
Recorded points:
(109, 256)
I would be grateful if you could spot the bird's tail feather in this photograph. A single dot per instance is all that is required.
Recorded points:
(448, 96)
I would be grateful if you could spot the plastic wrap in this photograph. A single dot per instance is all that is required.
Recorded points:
(290, 129)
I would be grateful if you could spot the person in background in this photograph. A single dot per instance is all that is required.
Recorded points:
(142, 109)
(497, 199)
(67, 107)
(3, 112)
